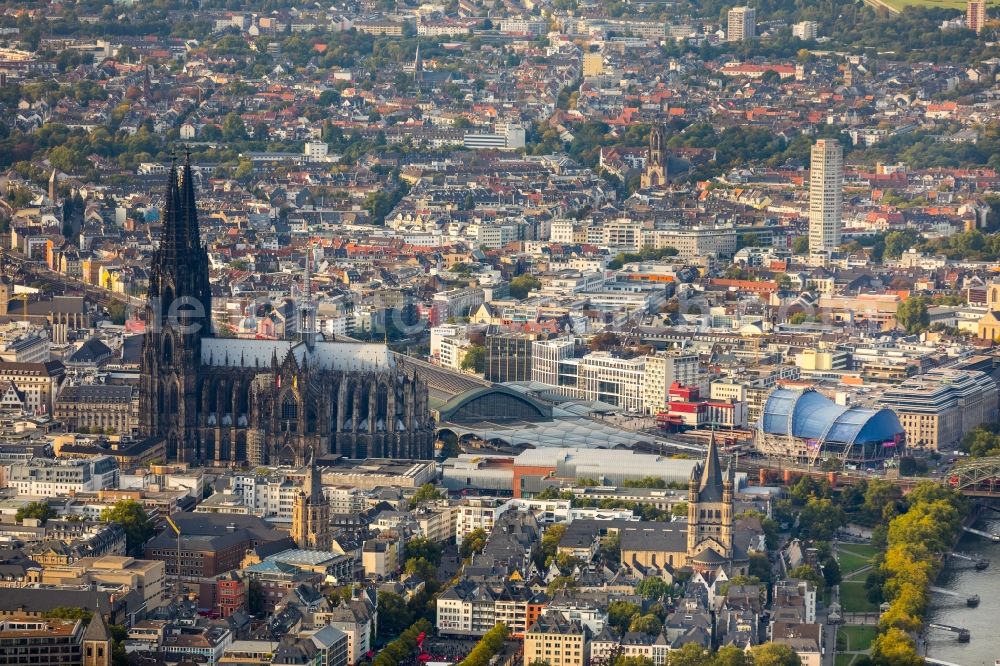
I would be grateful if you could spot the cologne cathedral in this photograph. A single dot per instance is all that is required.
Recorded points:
(225, 401)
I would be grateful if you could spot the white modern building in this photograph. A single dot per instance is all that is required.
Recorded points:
(478, 513)
(805, 30)
(662, 371)
(316, 150)
(42, 477)
(504, 137)
(638, 384)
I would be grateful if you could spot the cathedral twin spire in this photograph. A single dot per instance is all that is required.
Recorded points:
(180, 217)
(180, 266)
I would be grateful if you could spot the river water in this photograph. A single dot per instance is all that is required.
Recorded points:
(983, 622)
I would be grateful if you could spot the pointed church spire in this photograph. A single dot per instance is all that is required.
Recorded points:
(97, 630)
(190, 205)
(314, 487)
(711, 475)
(172, 235)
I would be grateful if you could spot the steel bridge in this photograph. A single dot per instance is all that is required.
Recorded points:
(977, 477)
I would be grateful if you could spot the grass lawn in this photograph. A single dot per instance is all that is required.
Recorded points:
(853, 557)
(849, 562)
(854, 598)
(844, 659)
(898, 5)
(855, 638)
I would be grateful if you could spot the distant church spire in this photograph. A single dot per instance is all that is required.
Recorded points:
(418, 68)
(655, 174)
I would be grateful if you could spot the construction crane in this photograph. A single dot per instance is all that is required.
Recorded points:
(177, 530)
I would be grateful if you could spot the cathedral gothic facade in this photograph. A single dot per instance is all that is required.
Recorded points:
(230, 401)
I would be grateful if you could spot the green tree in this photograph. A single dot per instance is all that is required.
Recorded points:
(404, 647)
(897, 242)
(421, 568)
(450, 447)
(424, 548)
(774, 654)
(394, 615)
(40, 510)
(820, 519)
(474, 542)
(831, 572)
(653, 588)
(488, 646)
(620, 614)
(560, 583)
(800, 245)
(982, 441)
(133, 517)
(912, 315)
(807, 572)
(550, 544)
(378, 204)
(233, 128)
(68, 613)
(475, 359)
(117, 312)
(244, 170)
(691, 654)
(646, 624)
(881, 501)
(731, 656)
(522, 285)
(425, 493)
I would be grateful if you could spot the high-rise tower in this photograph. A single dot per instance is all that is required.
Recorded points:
(826, 195)
(975, 15)
(741, 24)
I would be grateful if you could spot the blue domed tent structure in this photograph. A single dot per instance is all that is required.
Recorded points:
(805, 426)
